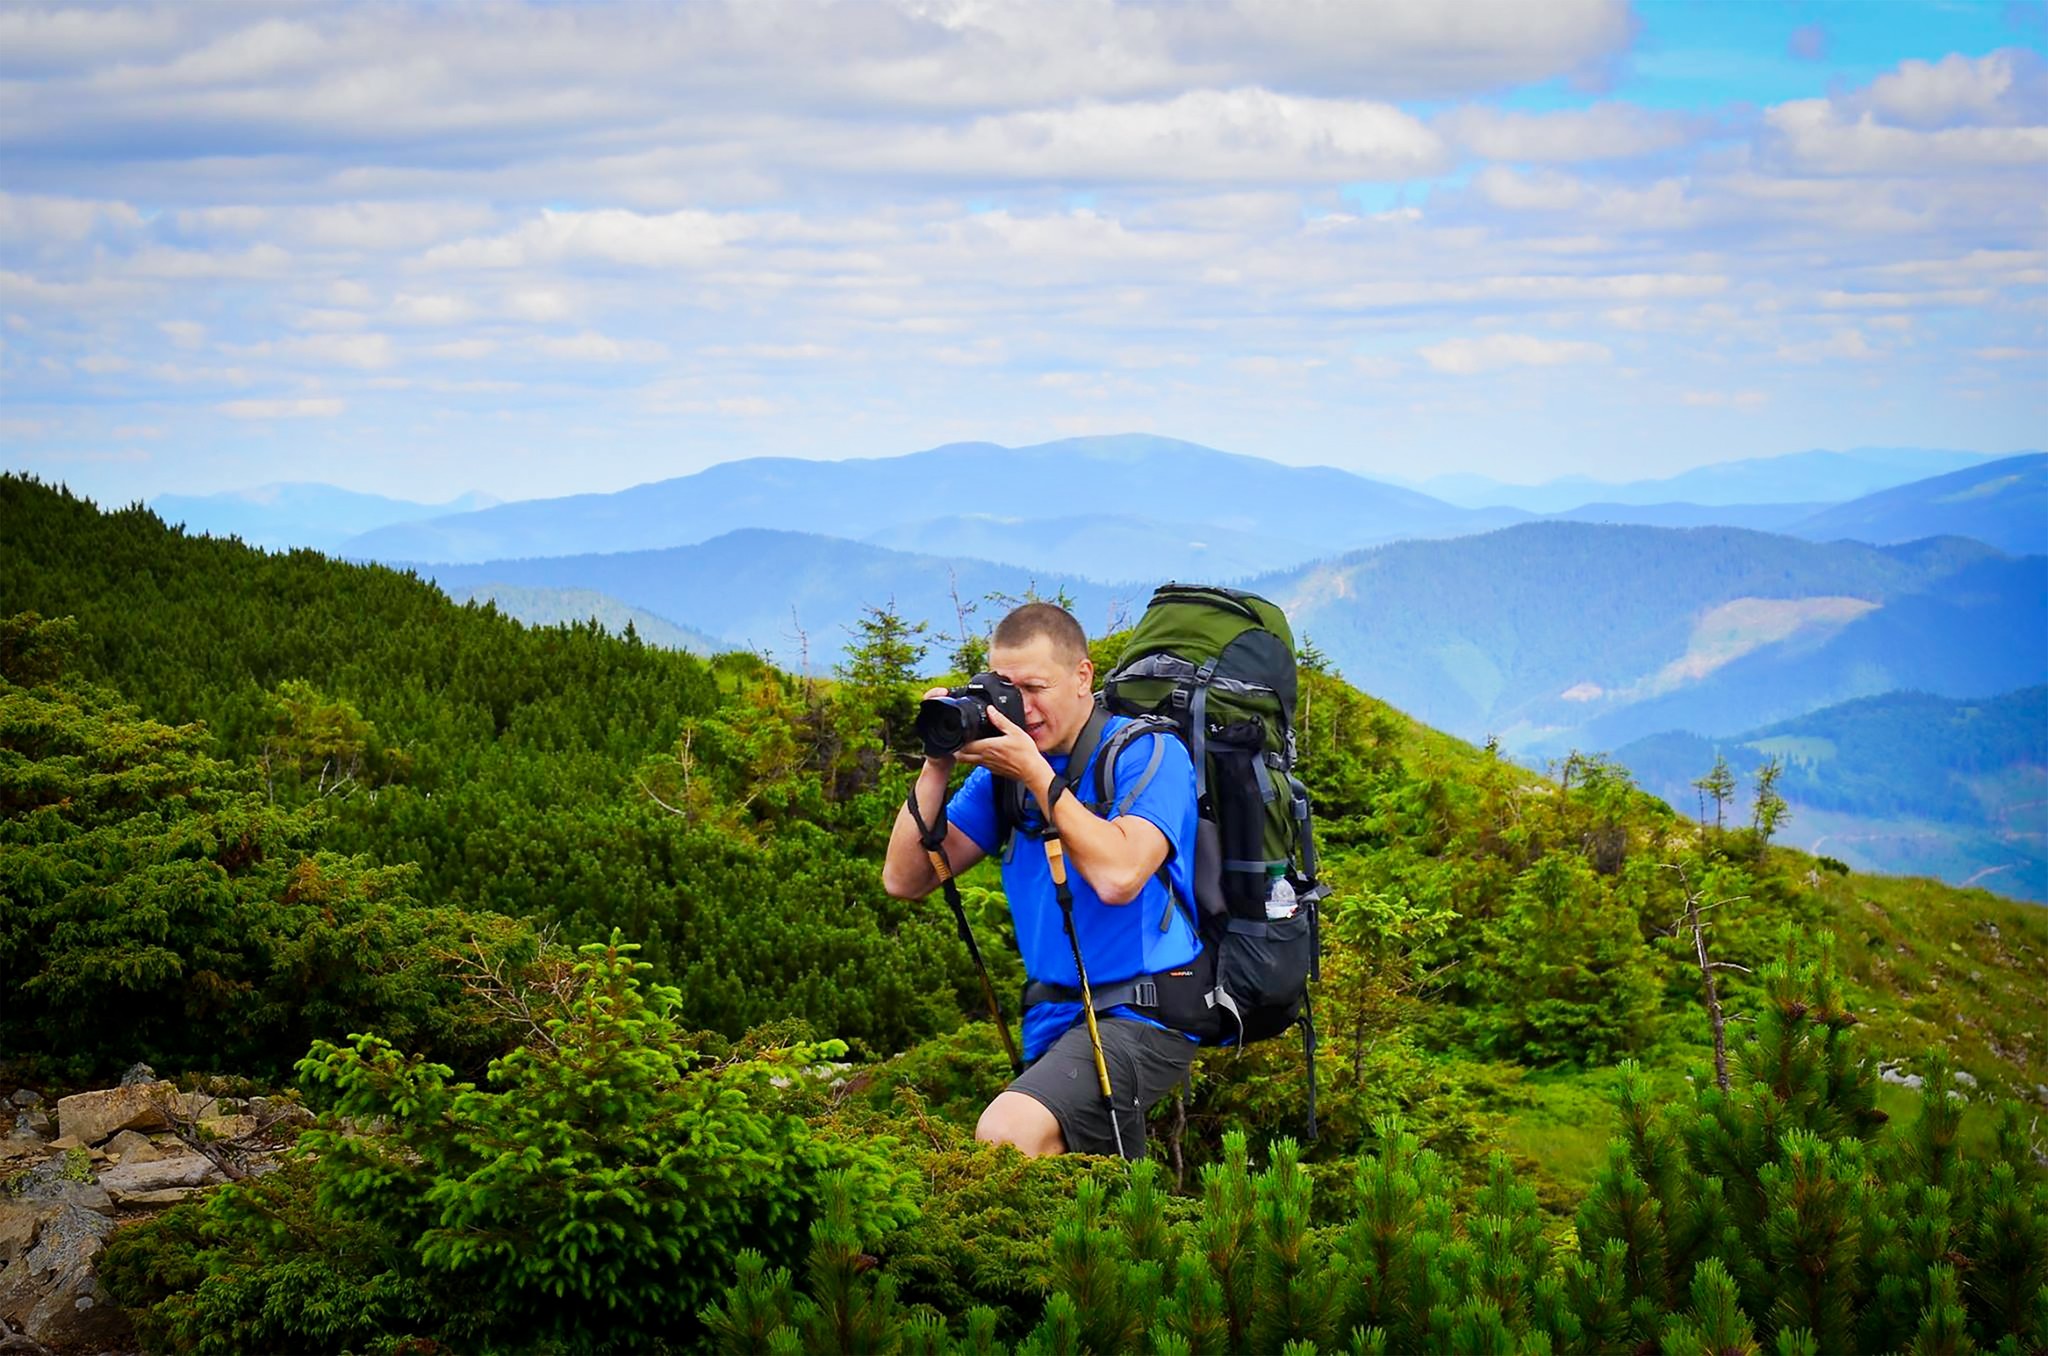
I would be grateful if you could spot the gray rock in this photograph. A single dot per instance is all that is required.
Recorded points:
(1905, 1080)
(1966, 1078)
(2041, 1093)
(131, 1146)
(183, 1170)
(26, 1097)
(137, 1075)
(167, 1196)
(90, 1117)
(51, 1292)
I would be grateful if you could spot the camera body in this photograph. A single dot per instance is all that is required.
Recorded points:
(961, 716)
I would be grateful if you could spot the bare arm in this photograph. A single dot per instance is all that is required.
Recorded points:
(906, 868)
(1115, 856)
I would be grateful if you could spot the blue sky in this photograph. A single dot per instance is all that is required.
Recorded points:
(536, 249)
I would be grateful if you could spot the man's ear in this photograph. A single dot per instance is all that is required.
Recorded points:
(1087, 672)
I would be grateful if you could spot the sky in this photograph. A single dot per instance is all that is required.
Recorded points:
(530, 249)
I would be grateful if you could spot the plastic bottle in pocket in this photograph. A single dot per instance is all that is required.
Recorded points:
(1280, 902)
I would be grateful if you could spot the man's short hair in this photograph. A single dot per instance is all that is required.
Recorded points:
(1033, 620)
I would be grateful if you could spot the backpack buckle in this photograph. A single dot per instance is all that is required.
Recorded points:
(1145, 993)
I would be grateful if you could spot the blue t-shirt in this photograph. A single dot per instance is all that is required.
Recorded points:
(1118, 941)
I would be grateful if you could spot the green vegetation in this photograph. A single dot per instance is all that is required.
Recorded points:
(260, 805)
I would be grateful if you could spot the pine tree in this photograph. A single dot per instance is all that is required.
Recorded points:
(1719, 784)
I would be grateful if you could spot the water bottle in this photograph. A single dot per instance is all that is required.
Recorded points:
(1279, 894)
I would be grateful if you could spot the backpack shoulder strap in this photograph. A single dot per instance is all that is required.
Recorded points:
(1107, 800)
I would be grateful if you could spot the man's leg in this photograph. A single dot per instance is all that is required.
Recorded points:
(1145, 1063)
(1020, 1119)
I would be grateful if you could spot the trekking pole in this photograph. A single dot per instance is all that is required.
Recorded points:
(1056, 860)
(934, 842)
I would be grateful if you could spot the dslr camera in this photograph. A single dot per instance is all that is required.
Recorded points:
(961, 716)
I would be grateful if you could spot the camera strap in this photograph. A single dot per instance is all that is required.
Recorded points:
(932, 837)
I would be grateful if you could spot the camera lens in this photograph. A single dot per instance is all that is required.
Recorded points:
(945, 723)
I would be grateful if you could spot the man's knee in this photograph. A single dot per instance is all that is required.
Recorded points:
(1019, 1119)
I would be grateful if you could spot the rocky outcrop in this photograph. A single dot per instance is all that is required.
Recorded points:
(65, 1185)
(90, 1117)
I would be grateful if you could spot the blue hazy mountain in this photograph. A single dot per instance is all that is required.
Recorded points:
(1904, 782)
(1756, 517)
(1105, 547)
(2003, 502)
(1797, 477)
(551, 607)
(785, 593)
(1131, 475)
(280, 517)
(1558, 635)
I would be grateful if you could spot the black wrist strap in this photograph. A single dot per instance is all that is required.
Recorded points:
(929, 837)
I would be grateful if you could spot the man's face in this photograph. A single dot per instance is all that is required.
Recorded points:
(1058, 694)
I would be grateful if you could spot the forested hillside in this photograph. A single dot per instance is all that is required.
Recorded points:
(312, 825)
(1868, 774)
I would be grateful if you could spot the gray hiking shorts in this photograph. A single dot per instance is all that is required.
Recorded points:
(1145, 1063)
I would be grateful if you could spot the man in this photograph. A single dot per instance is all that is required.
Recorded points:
(1127, 920)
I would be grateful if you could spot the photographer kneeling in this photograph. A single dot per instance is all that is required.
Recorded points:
(1131, 933)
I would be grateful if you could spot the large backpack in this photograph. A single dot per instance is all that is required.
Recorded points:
(1216, 667)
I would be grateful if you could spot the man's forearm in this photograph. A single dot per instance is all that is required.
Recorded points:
(1114, 865)
(908, 871)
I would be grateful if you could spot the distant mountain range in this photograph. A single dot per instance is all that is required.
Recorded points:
(1559, 635)
(1903, 782)
(1550, 635)
(1796, 477)
(282, 517)
(1129, 475)
(2003, 502)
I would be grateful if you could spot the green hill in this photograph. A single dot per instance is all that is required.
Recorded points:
(399, 811)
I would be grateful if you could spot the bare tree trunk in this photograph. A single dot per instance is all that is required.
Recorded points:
(1713, 992)
(1691, 921)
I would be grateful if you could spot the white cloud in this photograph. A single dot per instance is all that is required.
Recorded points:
(430, 309)
(1733, 400)
(367, 351)
(463, 350)
(1938, 93)
(1465, 357)
(1846, 343)
(591, 347)
(354, 226)
(614, 235)
(310, 407)
(29, 219)
(1245, 135)
(186, 334)
(1604, 131)
(1923, 118)
(539, 303)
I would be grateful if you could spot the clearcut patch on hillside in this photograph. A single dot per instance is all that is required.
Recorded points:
(1742, 625)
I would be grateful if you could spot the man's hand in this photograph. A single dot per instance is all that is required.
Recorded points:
(1009, 754)
(943, 762)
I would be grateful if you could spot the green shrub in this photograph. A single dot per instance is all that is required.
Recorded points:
(597, 1189)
